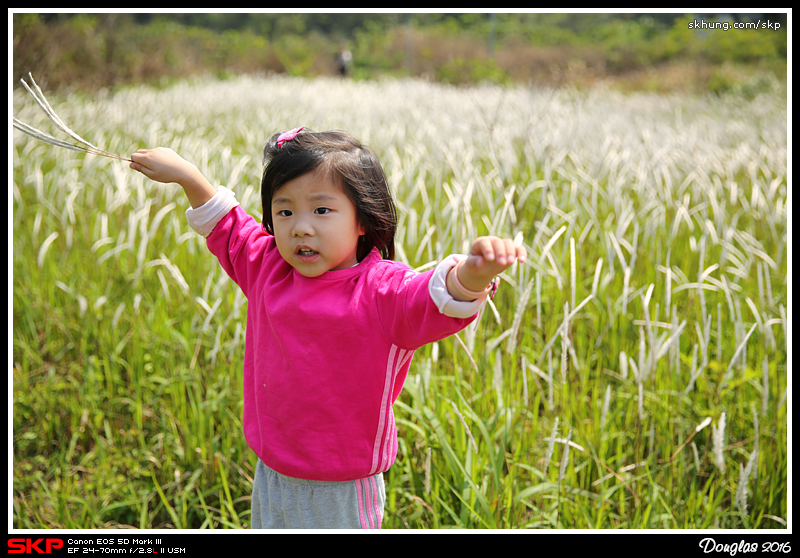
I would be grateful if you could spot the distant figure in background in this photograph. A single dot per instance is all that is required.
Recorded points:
(344, 62)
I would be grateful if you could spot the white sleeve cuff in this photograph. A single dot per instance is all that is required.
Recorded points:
(444, 301)
(203, 219)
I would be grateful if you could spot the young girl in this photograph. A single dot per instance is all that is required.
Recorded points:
(332, 320)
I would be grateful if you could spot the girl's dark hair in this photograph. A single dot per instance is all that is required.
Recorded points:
(351, 164)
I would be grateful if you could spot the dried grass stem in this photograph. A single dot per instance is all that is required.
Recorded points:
(83, 145)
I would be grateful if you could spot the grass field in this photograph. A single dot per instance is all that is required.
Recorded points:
(633, 374)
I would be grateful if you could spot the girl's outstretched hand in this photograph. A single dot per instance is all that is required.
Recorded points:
(491, 255)
(164, 165)
(488, 257)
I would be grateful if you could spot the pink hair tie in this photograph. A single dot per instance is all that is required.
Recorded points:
(288, 136)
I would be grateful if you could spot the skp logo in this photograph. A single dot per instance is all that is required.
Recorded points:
(29, 546)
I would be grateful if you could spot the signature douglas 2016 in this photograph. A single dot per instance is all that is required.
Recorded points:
(708, 544)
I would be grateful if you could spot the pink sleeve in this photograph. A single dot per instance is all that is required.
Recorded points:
(409, 315)
(240, 244)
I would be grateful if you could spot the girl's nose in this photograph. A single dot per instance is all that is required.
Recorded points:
(302, 227)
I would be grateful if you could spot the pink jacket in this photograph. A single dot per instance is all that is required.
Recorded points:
(326, 357)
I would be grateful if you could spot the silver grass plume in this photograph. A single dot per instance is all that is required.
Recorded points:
(83, 145)
(550, 445)
(744, 476)
(564, 458)
(718, 436)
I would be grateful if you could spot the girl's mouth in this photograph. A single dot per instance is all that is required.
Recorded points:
(307, 255)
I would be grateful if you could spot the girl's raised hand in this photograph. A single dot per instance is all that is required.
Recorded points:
(164, 165)
(491, 255)
(488, 257)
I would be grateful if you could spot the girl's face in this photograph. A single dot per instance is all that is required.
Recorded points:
(315, 224)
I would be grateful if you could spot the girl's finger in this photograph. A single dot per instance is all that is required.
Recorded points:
(505, 251)
(483, 247)
(522, 255)
(141, 168)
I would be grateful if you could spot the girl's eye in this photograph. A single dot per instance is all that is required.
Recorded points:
(284, 213)
(322, 210)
